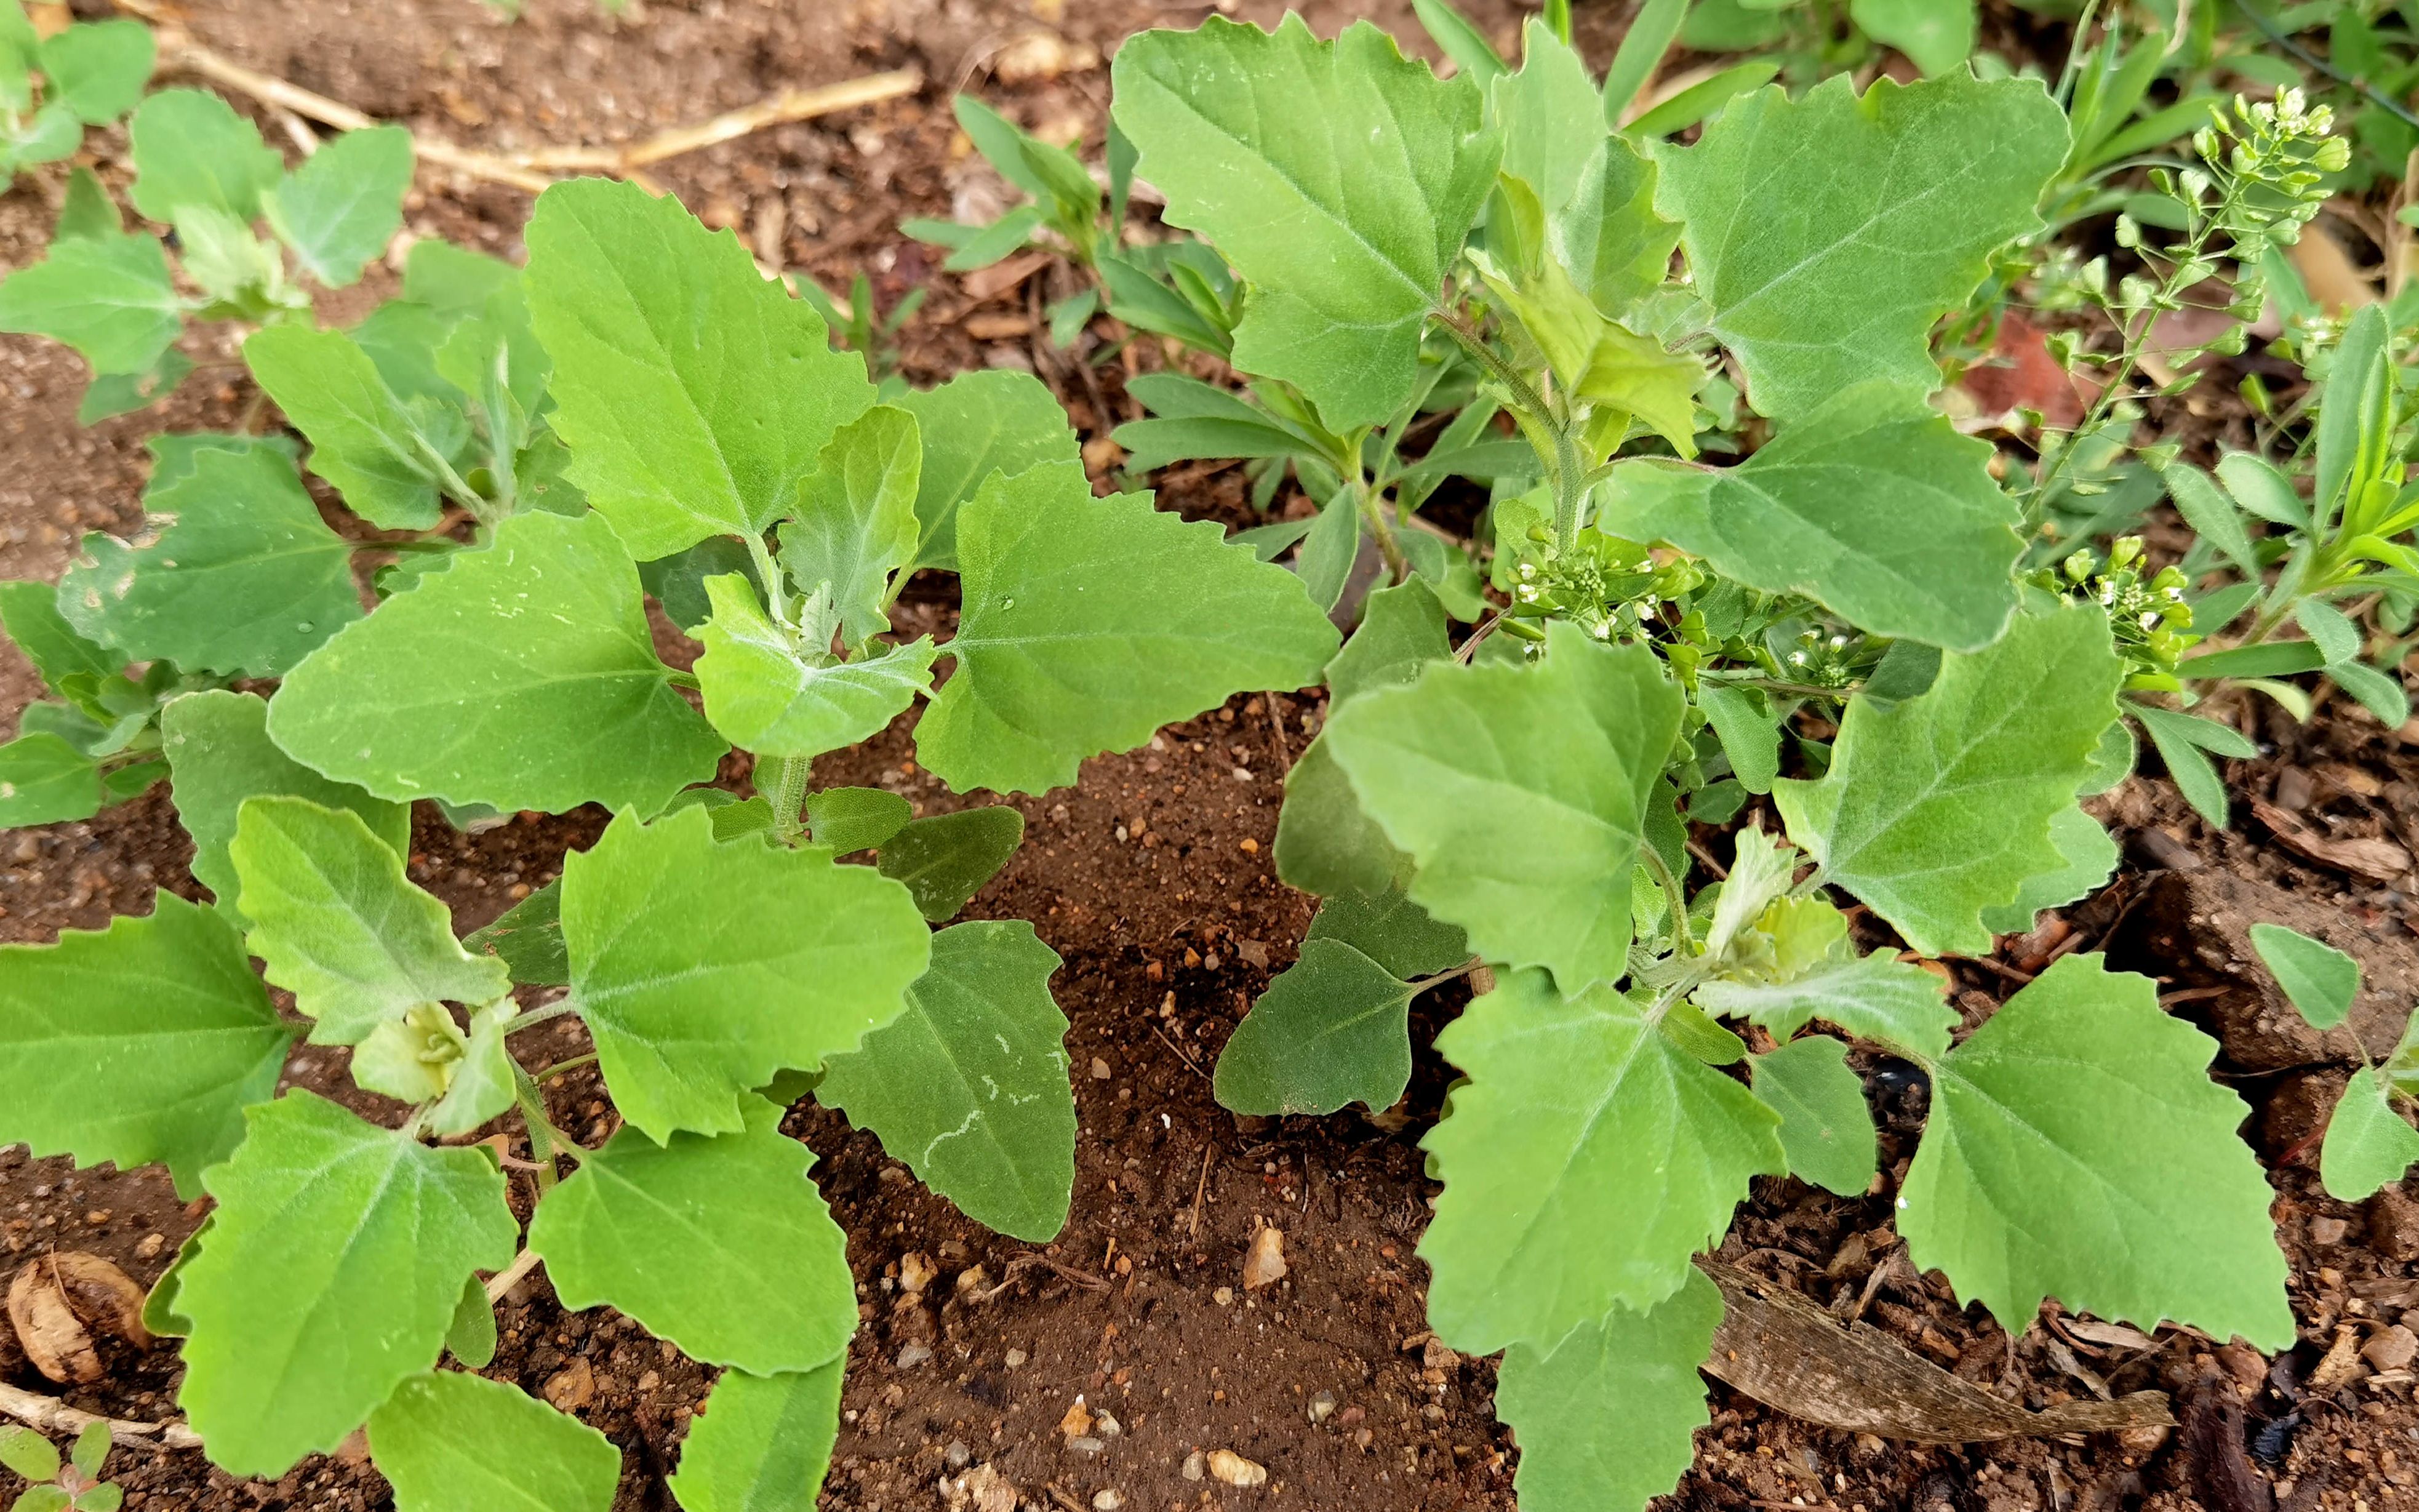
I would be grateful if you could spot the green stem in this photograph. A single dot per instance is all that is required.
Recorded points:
(450, 482)
(1684, 940)
(769, 572)
(1373, 514)
(1537, 421)
(1420, 985)
(787, 792)
(539, 1015)
(542, 1077)
(545, 1140)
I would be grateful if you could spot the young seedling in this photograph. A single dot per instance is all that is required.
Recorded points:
(74, 1485)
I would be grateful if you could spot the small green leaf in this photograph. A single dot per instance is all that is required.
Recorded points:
(969, 1085)
(190, 148)
(29, 612)
(44, 1499)
(1584, 1161)
(461, 689)
(1332, 1028)
(454, 1443)
(1751, 737)
(396, 1227)
(2330, 629)
(856, 522)
(2181, 739)
(702, 968)
(678, 581)
(1825, 1125)
(2211, 515)
(1940, 807)
(768, 692)
(337, 924)
(91, 1449)
(168, 1000)
(2368, 1145)
(1391, 930)
(1830, 232)
(1871, 504)
(1338, 178)
(470, 1338)
(945, 859)
(2380, 693)
(1935, 34)
(720, 1245)
(97, 69)
(847, 820)
(2078, 1149)
(694, 395)
(1606, 1417)
(528, 939)
(341, 208)
(2319, 981)
(762, 1444)
(219, 754)
(236, 574)
(363, 439)
(1550, 117)
(45, 780)
(1528, 841)
(974, 426)
(108, 296)
(28, 1453)
(111, 395)
(1089, 623)
(1459, 40)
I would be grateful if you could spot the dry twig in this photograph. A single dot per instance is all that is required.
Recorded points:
(48, 1414)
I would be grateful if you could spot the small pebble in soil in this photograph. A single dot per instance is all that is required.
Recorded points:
(1264, 1265)
(1078, 1420)
(1105, 1425)
(1085, 1445)
(1223, 1296)
(1100, 1070)
(1108, 1500)
(913, 1355)
(957, 1454)
(2327, 1231)
(1193, 1465)
(1235, 1470)
(1321, 1406)
(1016, 1358)
(916, 1272)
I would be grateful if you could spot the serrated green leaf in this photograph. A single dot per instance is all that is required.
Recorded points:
(945, 859)
(766, 691)
(1550, 117)
(969, 1085)
(344, 204)
(1935, 34)
(168, 1007)
(190, 148)
(1584, 1161)
(160, 1314)
(720, 1245)
(336, 923)
(97, 69)
(2368, 1145)
(972, 426)
(2090, 859)
(847, 820)
(454, 1443)
(694, 394)
(238, 271)
(109, 297)
(1522, 791)
(1332, 1028)
(1338, 178)
(397, 1226)
(762, 1444)
(528, 939)
(856, 522)
(462, 688)
(1391, 930)
(219, 754)
(237, 573)
(1607, 1416)
(1830, 232)
(45, 780)
(2319, 981)
(701, 969)
(1871, 504)
(1940, 807)
(470, 1338)
(2078, 1149)
(1825, 1125)
(364, 441)
(1876, 998)
(1089, 623)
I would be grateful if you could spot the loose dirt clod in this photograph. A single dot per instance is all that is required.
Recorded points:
(1232, 1468)
(58, 1302)
(1264, 1265)
(980, 1489)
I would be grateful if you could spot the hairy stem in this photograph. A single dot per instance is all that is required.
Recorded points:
(787, 792)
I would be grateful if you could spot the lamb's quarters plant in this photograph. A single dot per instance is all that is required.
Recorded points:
(534, 453)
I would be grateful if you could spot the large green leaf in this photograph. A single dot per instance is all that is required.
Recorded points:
(141, 1042)
(330, 1273)
(1607, 1416)
(767, 692)
(1332, 1028)
(454, 1443)
(1521, 790)
(1338, 178)
(969, 1085)
(1878, 997)
(1830, 231)
(1089, 623)
(522, 676)
(762, 1444)
(2078, 1149)
(236, 573)
(108, 296)
(1871, 504)
(191, 149)
(856, 522)
(694, 394)
(1940, 807)
(344, 204)
(363, 439)
(704, 969)
(336, 923)
(1825, 1125)
(2368, 1145)
(219, 754)
(974, 426)
(1586, 1157)
(718, 1244)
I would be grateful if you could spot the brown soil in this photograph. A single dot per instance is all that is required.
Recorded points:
(1170, 932)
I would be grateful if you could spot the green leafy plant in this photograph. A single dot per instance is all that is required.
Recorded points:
(639, 412)
(87, 74)
(2367, 1143)
(74, 1485)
